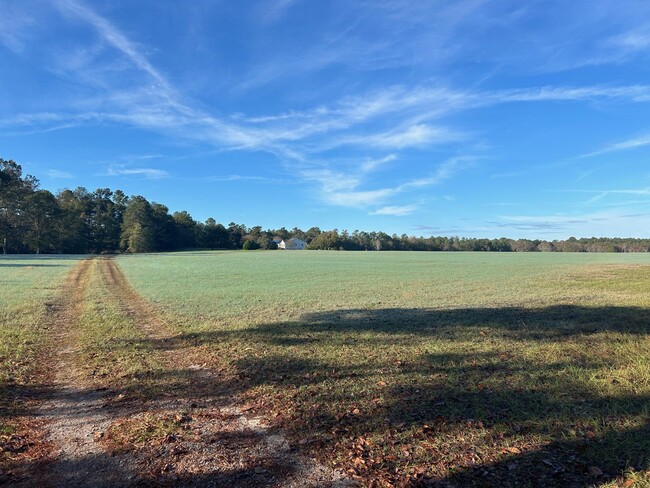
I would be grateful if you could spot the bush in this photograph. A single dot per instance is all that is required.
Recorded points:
(250, 245)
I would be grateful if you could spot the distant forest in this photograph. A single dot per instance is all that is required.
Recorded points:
(103, 221)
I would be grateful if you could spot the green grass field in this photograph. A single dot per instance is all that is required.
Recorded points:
(521, 369)
(28, 285)
(399, 368)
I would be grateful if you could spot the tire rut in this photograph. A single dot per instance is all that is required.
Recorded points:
(227, 447)
(73, 410)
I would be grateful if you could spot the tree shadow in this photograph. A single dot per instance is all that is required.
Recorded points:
(552, 323)
(231, 458)
(490, 417)
(485, 418)
(102, 471)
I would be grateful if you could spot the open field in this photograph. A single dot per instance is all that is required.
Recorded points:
(407, 365)
(395, 368)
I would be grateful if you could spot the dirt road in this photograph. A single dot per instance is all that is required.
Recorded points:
(177, 424)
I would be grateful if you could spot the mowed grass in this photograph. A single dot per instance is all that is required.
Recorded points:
(497, 369)
(28, 287)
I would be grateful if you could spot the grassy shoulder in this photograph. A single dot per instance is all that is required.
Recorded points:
(494, 369)
(29, 289)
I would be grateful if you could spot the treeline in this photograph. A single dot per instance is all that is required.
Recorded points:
(78, 221)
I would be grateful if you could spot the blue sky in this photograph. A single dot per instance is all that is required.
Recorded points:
(464, 117)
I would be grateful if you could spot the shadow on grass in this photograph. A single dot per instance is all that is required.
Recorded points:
(552, 323)
(96, 471)
(232, 460)
(470, 418)
(490, 418)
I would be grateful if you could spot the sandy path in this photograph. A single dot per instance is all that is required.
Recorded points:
(226, 448)
(74, 412)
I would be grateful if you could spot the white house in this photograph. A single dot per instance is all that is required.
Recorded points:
(292, 244)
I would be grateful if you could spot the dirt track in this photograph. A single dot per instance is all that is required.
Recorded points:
(216, 444)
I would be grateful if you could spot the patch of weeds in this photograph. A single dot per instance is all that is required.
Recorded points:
(630, 479)
(6, 429)
(147, 429)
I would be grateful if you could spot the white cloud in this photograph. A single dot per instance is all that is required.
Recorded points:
(114, 37)
(381, 121)
(444, 171)
(244, 178)
(332, 181)
(633, 40)
(148, 173)
(343, 189)
(606, 193)
(274, 10)
(372, 164)
(397, 210)
(55, 174)
(15, 24)
(359, 198)
(413, 136)
(633, 143)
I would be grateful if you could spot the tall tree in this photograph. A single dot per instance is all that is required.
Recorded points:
(138, 226)
(14, 190)
(73, 231)
(186, 230)
(103, 221)
(214, 235)
(41, 217)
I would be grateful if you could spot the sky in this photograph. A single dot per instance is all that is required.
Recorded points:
(474, 118)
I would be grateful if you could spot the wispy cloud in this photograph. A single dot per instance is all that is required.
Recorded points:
(412, 136)
(443, 172)
(373, 164)
(57, 174)
(585, 174)
(396, 210)
(115, 38)
(275, 9)
(397, 120)
(148, 173)
(633, 143)
(606, 193)
(634, 40)
(260, 179)
(14, 27)
(345, 189)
